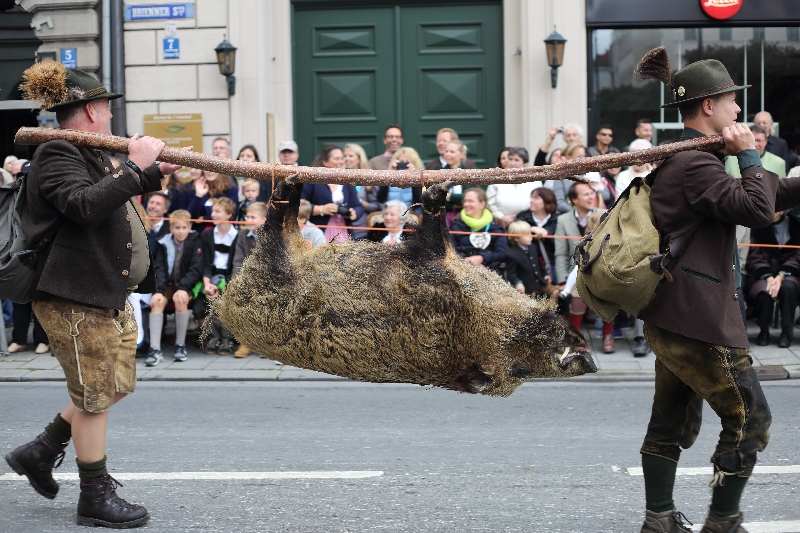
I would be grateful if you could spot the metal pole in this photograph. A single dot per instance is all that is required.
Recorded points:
(120, 126)
(745, 80)
(106, 69)
(762, 72)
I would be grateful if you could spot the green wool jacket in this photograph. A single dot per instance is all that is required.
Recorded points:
(771, 162)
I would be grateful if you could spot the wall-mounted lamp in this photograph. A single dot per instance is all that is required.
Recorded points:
(555, 54)
(226, 59)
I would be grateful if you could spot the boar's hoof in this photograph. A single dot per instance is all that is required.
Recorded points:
(472, 379)
(435, 196)
(581, 354)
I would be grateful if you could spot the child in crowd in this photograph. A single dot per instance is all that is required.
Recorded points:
(178, 261)
(527, 264)
(256, 215)
(311, 233)
(218, 247)
(250, 190)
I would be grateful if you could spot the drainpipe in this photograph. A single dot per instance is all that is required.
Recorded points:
(119, 126)
(106, 43)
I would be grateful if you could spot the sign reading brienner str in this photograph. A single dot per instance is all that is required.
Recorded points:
(135, 13)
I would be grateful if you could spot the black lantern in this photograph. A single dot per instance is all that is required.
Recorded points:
(555, 54)
(226, 59)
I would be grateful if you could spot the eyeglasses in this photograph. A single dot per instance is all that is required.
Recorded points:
(606, 134)
(393, 136)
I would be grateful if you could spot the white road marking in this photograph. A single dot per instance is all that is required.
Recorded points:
(708, 471)
(785, 526)
(215, 476)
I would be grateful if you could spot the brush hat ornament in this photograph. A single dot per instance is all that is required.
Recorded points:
(57, 87)
(693, 82)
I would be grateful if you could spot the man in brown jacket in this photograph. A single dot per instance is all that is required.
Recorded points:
(694, 324)
(91, 251)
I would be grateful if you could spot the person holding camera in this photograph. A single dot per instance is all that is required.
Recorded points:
(333, 205)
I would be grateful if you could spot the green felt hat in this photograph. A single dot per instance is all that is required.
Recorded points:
(699, 80)
(58, 87)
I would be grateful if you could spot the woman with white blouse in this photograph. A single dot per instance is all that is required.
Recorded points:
(508, 199)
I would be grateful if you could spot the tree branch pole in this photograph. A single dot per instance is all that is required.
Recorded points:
(395, 178)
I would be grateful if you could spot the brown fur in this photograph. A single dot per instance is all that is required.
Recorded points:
(654, 66)
(411, 313)
(45, 82)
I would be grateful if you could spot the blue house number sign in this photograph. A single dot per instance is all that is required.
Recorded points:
(69, 57)
(172, 48)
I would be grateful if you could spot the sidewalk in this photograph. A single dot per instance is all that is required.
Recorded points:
(778, 363)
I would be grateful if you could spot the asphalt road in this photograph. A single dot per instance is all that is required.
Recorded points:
(553, 457)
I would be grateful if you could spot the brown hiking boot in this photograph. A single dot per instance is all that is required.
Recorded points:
(99, 505)
(666, 522)
(36, 460)
(724, 524)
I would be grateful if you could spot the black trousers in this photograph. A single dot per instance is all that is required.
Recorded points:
(22, 318)
(689, 371)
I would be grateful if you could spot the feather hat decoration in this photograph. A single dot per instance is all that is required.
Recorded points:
(57, 87)
(654, 66)
(45, 82)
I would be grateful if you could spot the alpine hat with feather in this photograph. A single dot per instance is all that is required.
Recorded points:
(692, 83)
(57, 87)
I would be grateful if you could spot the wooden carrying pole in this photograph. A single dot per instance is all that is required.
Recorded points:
(395, 178)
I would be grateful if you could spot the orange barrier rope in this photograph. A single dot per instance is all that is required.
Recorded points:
(573, 237)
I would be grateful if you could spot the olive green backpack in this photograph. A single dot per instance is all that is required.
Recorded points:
(620, 263)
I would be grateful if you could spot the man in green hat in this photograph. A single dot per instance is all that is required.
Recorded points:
(91, 251)
(694, 324)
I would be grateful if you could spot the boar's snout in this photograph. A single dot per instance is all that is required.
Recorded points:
(582, 355)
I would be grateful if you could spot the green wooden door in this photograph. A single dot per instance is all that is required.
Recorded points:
(356, 70)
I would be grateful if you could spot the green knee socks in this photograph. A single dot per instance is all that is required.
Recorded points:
(725, 498)
(659, 480)
(87, 471)
(59, 430)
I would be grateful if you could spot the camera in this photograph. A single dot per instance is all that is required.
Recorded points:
(560, 130)
(402, 165)
(343, 210)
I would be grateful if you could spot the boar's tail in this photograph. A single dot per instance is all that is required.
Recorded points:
(431, 241)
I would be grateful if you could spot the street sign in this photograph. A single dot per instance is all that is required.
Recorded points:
(172, 48)
(69, 57)
(135, 13)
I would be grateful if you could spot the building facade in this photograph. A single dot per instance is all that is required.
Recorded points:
(321, 71)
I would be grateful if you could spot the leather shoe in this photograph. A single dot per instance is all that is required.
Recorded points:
(724, 524)
(36, 460)
(641, 348)
(99, 505)
(16, 348)
(609, 345)
(763, 338)
(784, 341)
(666, 522)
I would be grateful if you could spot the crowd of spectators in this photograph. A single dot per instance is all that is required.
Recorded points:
(201, 231)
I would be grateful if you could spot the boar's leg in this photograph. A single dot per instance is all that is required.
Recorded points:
(274, 236)
(432, 240)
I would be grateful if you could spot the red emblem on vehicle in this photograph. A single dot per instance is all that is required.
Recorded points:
(721, 9)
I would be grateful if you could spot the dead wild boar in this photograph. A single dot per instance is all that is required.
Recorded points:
(411, 313)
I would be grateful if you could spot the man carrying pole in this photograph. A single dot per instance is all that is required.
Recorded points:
(91, 251)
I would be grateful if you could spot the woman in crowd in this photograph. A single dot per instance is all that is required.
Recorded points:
(249, 153)
(774, 274)
(560, 187)
(543, 221)
(406, 158)
(177, 191)
(332, 205)
(356, 158)
(502, 157)
(476, 245)
(394, 217)
(208, 187)
(508, 199)
(636, 171)
(454, 155)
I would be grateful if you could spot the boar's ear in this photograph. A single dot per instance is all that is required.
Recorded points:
(472, 379)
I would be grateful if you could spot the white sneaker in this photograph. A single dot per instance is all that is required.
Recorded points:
(42, 348)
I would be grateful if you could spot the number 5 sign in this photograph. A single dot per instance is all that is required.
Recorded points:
(172, 48)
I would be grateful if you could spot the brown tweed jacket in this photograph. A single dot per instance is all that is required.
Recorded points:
(77, 219)
(692, 190)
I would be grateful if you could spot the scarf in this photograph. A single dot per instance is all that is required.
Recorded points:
(476, 224)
